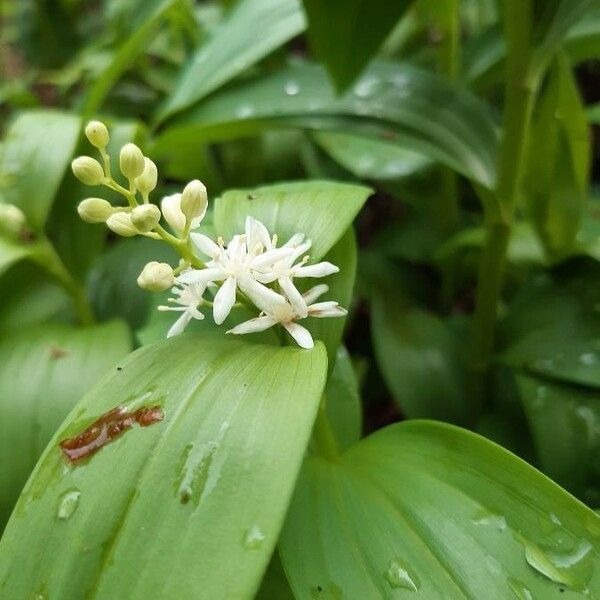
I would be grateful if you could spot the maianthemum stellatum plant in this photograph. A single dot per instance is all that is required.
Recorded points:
(368, 367)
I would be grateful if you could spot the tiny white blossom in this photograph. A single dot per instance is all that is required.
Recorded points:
(188, 297)
(235, 265)
(287, 316)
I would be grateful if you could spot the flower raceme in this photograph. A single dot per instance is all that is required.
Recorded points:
(251, 270)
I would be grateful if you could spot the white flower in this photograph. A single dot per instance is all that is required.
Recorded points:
(284, 270)
(188, 297)
(235, 266)
(287, 316)
(171, 210)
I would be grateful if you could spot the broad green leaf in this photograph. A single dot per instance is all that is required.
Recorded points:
(321, 210)
(552, 327)
(428, 510)
(371, 158)
(252, 31)
(345, 36)
(44, 372)
(557, 173)
(421, 110)
(36, 151)
(343, 404)
(565, 425)
(418, 357)
(191, 504)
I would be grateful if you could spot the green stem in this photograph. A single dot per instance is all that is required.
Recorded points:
(520, 91)
(323, 435)
(47, 257)
(448, 211)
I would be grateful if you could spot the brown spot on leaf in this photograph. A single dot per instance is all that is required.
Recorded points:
(108, 427)
(57, 352)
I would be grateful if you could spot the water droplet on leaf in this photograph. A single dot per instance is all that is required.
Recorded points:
(520, 591)
(491, 519)
(398, 576)
(291, 88)
(67, 504)
(254, 538)
(572, 567)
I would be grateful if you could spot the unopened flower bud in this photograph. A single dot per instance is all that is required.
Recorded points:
(171, 210)
(156, 277)
(12, 220)
(87, 170)
(131, 161)
(97, 134)
(94, 210)
(194, 200)
(145, 217)
(146, 182)
(121, 224)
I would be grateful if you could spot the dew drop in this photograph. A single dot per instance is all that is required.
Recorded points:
(67, 504)
(588, 359)
(519, 590)
(572, 567)
(487, 518)
(254, 538)
(366, 87)
(291, 88)
(244, 111)
(398, 577)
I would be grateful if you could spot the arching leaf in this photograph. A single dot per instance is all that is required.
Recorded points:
(192, 503)
(427, 509)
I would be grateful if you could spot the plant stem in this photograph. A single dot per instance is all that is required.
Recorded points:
(323, 434)
(520, 91)
(47, 257)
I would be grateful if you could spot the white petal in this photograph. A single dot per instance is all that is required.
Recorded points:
(257, 233)
(300, 250)
(206, 245)
(300, 334)
(268, 258)
(321, 269)
(294, 240)
(294, 296)
(326, 309)
(253, 325)
(311, 295)
(180, 324)
(171, 209)
(264, 277)
(202, 275)
(261, 295)
(224, 300)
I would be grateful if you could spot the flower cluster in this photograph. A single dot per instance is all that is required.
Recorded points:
(251, 270)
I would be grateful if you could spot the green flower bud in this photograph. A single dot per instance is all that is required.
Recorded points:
(145, 217)
(97, 134)
(12, 220)
(146, 182)
(88, 170)
(121, 224)
(94, 210)
(194, 200)
(131, 161)
(156, 277)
